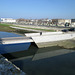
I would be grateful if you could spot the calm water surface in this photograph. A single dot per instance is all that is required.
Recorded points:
(44, 61)
(47, 61)
(7, 34)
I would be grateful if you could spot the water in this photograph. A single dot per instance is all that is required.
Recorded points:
(47, 61)
(12, 47)
(6, 34)
(44, 61)
(59, 65)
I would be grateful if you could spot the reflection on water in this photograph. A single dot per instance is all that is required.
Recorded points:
(48, 61)
(59, 65)
(51, 54)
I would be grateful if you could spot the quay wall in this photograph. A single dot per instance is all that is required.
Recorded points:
(51, 38)
(12, 40)
(42, 33)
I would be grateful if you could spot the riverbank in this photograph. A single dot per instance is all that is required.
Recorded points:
(7, 28)
(33, 28)
(7, 68)
(67, 44)
(42, 27)
(22, 29)
(60, 48)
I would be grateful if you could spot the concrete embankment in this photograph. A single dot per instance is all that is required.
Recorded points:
(65, 40)
(70, 44)
(11, 40)
(7, 68)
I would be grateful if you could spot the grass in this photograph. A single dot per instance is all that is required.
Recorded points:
(4, 24)
(7, 28)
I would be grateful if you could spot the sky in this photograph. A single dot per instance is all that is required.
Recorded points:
(37, 9)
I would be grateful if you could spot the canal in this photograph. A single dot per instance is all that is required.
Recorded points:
(44, 61)
(53, 60)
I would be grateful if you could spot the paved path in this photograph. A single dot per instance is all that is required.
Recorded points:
(42, 27)
(27, 29)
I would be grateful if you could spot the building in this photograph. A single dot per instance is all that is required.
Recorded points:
(54, 21)
(73, 22)
(44, 21)
(24, 21)
(8, 20)
(68, 21)
(61, 21)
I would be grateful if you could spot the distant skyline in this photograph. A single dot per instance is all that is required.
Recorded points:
(37, 9)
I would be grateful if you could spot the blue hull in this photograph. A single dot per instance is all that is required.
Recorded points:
(8, 48)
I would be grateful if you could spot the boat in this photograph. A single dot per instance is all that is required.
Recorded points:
(11, 42)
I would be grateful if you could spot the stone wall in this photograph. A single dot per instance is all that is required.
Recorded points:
(7, 68)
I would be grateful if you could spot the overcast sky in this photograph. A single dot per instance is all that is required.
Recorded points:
(36, 9)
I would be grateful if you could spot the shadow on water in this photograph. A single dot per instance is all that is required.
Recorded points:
(32, 51)
(15, 55)
(48, 61)
(57, 65)
(44, 61)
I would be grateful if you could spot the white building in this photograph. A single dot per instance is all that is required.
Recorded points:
(68, 21)
(8, 20)
(73, 22)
